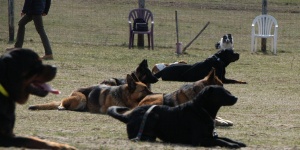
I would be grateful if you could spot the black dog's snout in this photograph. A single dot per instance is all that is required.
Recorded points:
(50, 71)
(53, 68)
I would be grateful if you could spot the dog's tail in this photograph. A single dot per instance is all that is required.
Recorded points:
(114, 111)
(47, 106)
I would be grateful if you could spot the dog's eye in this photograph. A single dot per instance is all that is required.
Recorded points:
(33, 70)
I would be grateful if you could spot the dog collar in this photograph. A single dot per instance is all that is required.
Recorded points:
(3, 91)
(138, 137)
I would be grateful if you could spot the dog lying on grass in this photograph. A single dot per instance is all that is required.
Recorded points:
(22, 73)
(190, 123)
(186, 93)
(97, 98)
(197, 71)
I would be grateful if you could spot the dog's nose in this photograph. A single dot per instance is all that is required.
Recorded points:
(53, 69)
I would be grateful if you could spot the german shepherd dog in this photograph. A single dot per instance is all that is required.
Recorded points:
(197, 71)
(142, 72)
(190, 123)
(97, 98)
(186, 93)
(22, 73)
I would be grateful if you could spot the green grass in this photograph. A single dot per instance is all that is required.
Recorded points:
(89, 40)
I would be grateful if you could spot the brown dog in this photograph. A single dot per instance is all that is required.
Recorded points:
(186, 93)
(96, 99)
(21, 74)
(160, 66)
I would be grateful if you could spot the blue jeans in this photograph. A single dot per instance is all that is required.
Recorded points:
(38, 23)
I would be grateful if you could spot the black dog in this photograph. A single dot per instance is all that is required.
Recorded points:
(21, 74)
(197, 71)
(190, 123)
(142, 72)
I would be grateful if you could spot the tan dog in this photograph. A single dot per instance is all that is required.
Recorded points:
(96, 99)
(161, 66)
(186, 93)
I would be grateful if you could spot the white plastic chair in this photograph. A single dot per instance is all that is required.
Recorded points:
(264, 26)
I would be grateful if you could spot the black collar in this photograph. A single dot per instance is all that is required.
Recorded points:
(218, 59)
(138, 137)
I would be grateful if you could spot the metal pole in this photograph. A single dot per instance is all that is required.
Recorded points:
(11, 29)
(264, 12)
(140, 42)
(176, 21)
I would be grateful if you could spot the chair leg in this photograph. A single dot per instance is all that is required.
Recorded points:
(132, 41)
(272, 46)
(152, 41)
(275, 45)
(252, 44)
(148, 41)
(129, 43)
(255, 44)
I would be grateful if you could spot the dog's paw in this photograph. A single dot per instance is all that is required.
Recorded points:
(243, 82)
(60, 146)
(32, 107)
(222, 122)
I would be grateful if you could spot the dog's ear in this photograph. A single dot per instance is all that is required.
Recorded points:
(144, 63)
(212, 78)
(211, 74)
(134, 77)
(131, 83)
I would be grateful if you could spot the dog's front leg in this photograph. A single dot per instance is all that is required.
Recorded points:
(232, 141)
(232, 81)
(211, 142)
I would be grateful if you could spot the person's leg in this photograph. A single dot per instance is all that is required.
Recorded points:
(21, 30)
(38, 22)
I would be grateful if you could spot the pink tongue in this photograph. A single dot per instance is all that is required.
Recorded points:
(49, 88)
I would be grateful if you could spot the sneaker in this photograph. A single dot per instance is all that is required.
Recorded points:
(47, 57)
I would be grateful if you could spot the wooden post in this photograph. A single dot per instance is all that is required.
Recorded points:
(264, 40)
(140, 42)
(11, 29)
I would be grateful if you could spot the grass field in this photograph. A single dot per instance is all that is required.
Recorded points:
(89, 40)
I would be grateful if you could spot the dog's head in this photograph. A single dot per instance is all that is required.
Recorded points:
(226, 42)
(227, 38)
(227, 56)
(137, 89)
(212, 97)
(22, 73)
(144, 74)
